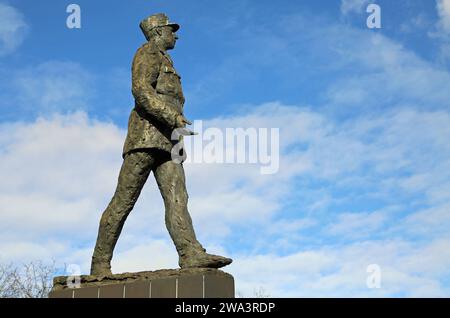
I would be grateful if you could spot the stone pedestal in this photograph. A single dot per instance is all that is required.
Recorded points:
(170, 283)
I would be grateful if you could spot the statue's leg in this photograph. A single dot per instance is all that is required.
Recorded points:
(171, 182)
(135, 170)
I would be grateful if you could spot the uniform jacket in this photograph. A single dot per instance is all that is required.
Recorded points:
(159, 99)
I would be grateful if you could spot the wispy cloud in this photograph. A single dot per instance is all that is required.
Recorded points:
(407, 270)
(443, 9)
(441, 31)
(52, 86)
(13, 29)
(349, 6)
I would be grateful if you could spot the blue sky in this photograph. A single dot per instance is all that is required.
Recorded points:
(364, 120)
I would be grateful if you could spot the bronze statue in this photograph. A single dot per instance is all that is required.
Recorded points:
(158, 110)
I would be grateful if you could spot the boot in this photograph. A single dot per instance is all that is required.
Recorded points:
(201, 259)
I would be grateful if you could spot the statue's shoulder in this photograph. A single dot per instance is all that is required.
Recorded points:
(148, 48)
(148, 54)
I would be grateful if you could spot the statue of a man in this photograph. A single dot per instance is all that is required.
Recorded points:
(158, 111)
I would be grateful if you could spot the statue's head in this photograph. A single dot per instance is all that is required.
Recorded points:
(159, 28)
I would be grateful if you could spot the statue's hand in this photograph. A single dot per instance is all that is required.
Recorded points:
(182, 121)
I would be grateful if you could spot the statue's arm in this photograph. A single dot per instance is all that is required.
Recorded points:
(145, 71)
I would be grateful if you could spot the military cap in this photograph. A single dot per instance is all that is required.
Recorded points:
(156, 20)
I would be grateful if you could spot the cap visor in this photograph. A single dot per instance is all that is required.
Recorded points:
(174, 26)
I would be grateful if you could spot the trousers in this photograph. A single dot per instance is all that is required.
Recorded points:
(134, 172)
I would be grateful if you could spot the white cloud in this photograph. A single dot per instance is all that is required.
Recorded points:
(428, 222)
(375, 75)
(148, 255)
(49, 166)
(389, 73)
(13, 29)
(407, 270)
(28, 250)
(441, 32)
(443, 9)
(357, 224)
(52, 87)
(348, 6)
(62, 170)
(418, 23)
